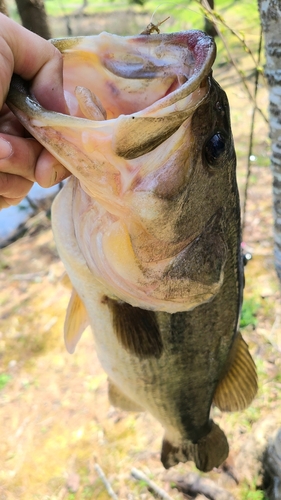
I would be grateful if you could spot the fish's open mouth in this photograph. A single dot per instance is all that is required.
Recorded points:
(131, 74)
(156, 80)
(128, 141)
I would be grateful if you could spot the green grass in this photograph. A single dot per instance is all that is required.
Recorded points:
(254, 495)
(4, 379)
(249, 311)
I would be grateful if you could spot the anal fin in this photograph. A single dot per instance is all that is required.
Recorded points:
(238, 387)
(118, 399)
(75, 323)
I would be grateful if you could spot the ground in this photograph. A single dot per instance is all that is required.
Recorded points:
(55, 419)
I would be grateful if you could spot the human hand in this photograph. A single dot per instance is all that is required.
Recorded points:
(22, 159)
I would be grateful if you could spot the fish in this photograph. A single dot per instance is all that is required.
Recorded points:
(148, 228)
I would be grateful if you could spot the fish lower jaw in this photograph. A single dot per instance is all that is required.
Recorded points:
(171, 279)
(163, 285)
(147, 288)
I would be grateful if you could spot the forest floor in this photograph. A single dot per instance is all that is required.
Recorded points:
(55, 420)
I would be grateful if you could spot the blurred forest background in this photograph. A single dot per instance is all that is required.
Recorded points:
(57, 428)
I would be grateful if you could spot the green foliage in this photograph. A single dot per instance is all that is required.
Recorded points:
(137, 2)
(4, 379)
(254, 495)
(251, 492)
(88, 492)
(249, 310)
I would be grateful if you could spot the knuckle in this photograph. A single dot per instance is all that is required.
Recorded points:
(3, 203)
(5, 183)
(57, 55)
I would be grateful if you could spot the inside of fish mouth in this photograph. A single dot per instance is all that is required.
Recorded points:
(134, 87)
(129, 107)
(177, 83)
(129, 76)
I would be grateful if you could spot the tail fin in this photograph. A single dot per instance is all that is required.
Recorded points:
(209, 452)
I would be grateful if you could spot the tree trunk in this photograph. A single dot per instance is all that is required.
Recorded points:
(34, 17)
(270, 14)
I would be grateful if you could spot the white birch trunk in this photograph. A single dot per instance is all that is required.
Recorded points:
(270, 14)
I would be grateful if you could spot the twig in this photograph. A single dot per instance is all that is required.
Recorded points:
(137, 474)
(248, 174)
(105, 482)
(215, 19)
(192, 484)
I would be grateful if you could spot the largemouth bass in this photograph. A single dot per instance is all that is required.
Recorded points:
(148, 228)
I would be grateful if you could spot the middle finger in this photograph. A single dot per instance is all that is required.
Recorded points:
(18, 156)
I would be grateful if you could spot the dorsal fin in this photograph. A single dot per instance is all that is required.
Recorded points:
(238, 387)
(75, 323)
(136, 329)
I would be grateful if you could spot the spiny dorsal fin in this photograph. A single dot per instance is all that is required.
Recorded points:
(76, 321)
(136, 329)
(238, 387)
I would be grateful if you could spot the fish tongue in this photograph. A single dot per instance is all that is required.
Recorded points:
(90, 104)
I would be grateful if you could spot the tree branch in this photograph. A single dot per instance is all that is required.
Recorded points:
(105, 482)
(137, 474)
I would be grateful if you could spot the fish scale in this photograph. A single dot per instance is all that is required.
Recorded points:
(148, 228)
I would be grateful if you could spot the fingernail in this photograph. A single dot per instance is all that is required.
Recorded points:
(5, 149)
(59, 174)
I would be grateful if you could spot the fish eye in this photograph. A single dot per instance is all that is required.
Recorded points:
(214, 149)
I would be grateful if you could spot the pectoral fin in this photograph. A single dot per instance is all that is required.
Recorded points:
(136, 329)
(239, 385)
(118, 399)
(76, 321)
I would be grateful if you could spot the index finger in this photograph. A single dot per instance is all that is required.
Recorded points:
(33, 58)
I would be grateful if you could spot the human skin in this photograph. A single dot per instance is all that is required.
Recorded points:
(22, 159)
